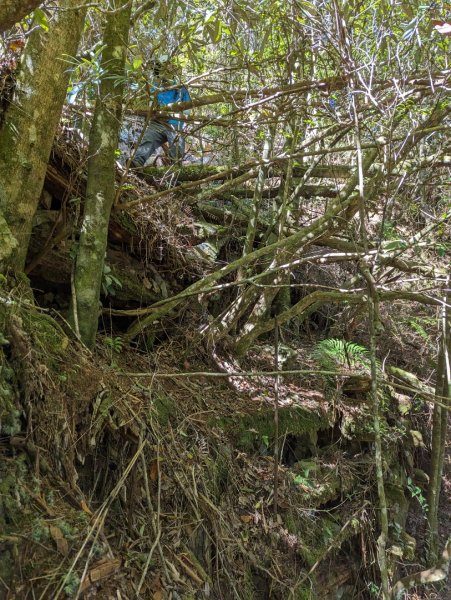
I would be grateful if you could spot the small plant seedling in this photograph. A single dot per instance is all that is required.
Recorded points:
(116, 344)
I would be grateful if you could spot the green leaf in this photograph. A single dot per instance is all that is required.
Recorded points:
(300, 480)
(137, 63)
(395, 245)
(41, 19)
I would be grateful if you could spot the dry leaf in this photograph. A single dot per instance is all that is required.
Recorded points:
(59, 539)
(99, 570)
(153, 471)
(246, 518)
(16, 45)
(86, 508)
(158, 595)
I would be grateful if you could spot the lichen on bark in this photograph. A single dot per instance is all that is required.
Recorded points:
(100, 187)
(29, 126)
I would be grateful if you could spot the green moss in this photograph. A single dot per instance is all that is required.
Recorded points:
(183, 173)
(45, 331)
(125, 220)
(12, 472)
(397, 503)
(9, 414)
(317, 539)
(305, 592)
(250, 430)
(314, 536)
(8, 241)
(40, 532)
(165, 408)
(72, 584)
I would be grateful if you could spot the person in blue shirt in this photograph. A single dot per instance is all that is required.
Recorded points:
(159, 132)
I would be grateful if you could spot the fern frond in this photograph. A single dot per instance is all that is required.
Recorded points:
(333, 352)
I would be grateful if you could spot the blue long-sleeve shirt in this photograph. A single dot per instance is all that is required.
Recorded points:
(173, 96)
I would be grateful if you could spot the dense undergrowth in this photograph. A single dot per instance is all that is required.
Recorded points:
(122, 476)
(118, 477)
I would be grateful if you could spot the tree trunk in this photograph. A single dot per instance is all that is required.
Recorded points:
(12, 11)
(439, 426)
(31, 120)
(8, 242)
(100, 187)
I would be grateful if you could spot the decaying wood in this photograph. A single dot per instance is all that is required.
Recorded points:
(201, 172)
(105, 567)
(437, 573)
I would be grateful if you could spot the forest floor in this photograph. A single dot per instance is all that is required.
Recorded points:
(138, 469)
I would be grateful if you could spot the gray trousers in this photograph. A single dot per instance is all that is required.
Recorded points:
(155, 136)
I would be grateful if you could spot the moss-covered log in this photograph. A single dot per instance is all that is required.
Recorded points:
(199, 172)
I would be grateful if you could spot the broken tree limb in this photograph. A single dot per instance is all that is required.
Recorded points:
(308, 191)
(327, 85)
(207, 173)
(317, 228)
(314, 301)
(200, 175)
(437, 573)
(400, 263)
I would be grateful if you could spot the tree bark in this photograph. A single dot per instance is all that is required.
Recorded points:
(31, 120)
(439, 426)
(12, 11)
(100, 187)
(8, 242)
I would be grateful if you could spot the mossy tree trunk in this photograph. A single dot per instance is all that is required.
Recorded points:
(100, 186)
(439, 427)
(26, 136)
(7, 241)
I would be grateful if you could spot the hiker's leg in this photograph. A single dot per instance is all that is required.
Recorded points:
(176, 143)
(154, 136)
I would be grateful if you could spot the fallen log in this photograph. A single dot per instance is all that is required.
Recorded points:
(137, 285)
(199, 172)
(307, 191)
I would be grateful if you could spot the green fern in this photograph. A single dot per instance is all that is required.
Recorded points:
(332, 353)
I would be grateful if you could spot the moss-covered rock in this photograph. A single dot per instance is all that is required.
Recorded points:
(249, 431)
